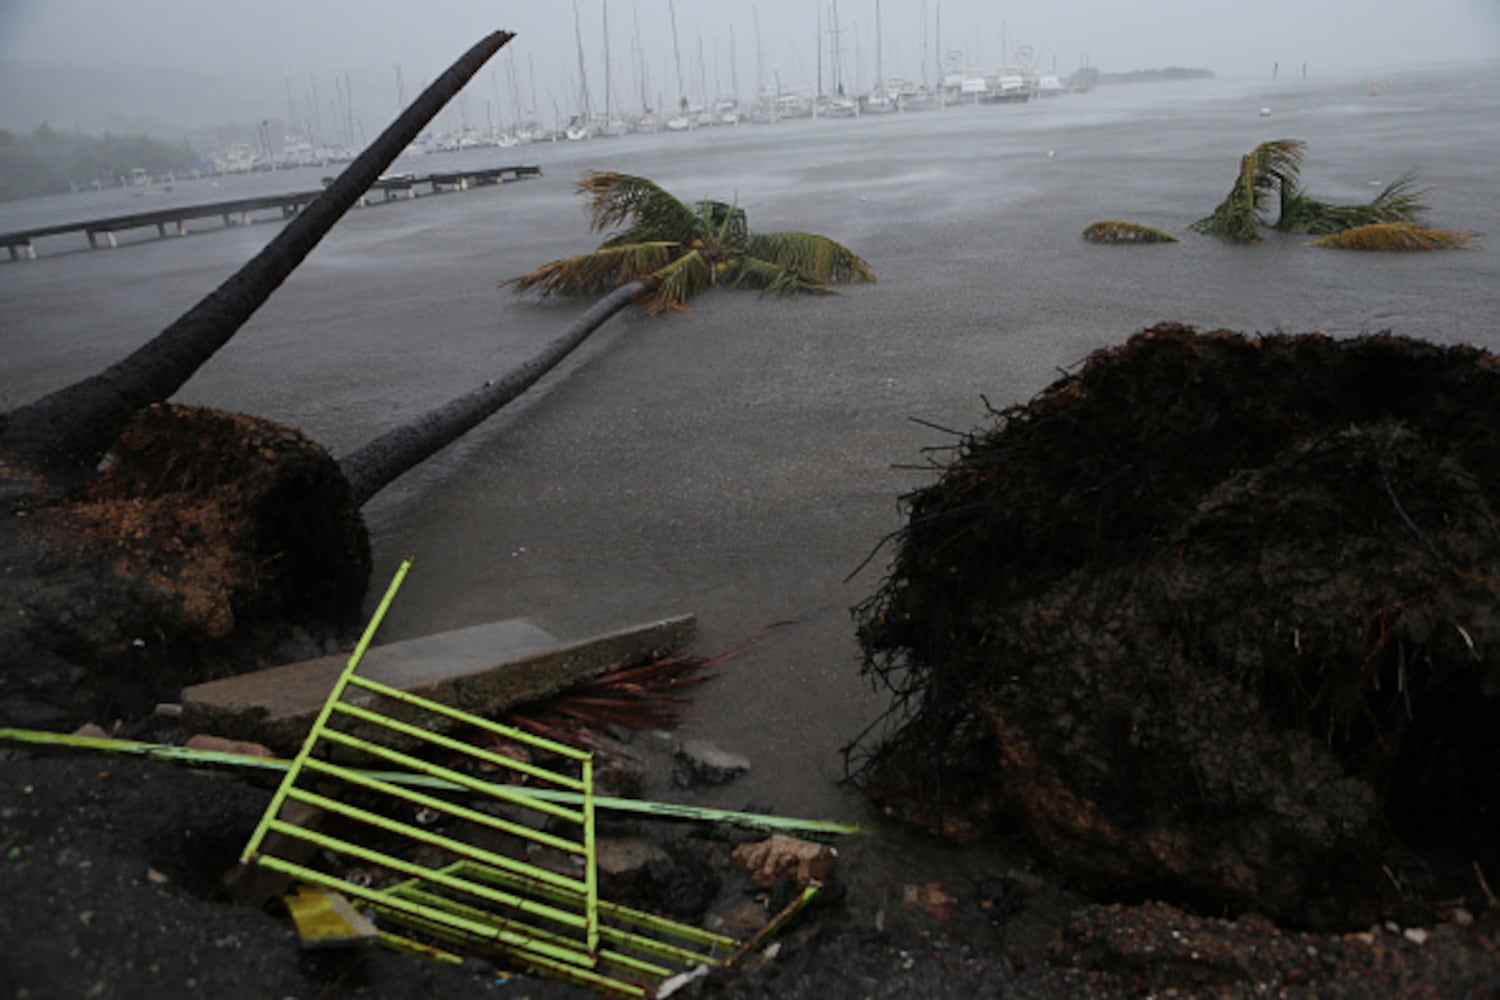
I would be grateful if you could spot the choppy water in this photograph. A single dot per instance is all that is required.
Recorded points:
(737, 462)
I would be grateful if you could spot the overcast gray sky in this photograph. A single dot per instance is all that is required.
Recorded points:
(197, 63)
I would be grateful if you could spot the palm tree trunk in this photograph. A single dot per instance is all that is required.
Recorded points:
(63, 435)
(372, 467)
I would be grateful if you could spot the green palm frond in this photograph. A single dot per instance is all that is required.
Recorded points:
(679, 250)
(726, 222)
(1401, 236)
(1401, 201)
(1269, 167)
(1121, 231)
(652, 213)
(678, 281)
(598, 271)
(815, 259)
(768, 276)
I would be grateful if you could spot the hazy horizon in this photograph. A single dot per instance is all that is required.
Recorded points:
(174, 66)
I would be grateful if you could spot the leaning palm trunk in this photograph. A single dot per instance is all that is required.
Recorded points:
(63, 435)
(372, 467)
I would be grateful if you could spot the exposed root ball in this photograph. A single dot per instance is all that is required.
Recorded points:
(204, 528)
(1214, 618)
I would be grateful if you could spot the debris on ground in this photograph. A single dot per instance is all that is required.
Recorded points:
(775, 858)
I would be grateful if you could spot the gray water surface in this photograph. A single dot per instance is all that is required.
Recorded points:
(740, 461)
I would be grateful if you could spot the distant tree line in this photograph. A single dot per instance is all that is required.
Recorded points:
(1090, 76)
(49, 161)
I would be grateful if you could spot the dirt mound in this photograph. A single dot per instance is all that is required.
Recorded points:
(1213, 619)
(208, 537)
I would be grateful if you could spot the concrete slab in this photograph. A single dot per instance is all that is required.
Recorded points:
(483, 670)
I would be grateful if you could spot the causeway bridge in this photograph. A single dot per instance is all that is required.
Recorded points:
(21, 243)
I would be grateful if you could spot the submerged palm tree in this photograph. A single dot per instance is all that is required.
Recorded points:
(676, 250)
(1124, 231)
(1275, 168)
(1400, 203)
(1268, 168)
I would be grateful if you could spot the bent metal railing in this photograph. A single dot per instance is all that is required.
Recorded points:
(442, 866)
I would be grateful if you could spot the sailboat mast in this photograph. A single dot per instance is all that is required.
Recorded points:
(937, 53)
(820, 53)
(702, 74)
(677, 55)
(515, 91)
(760, 58)
(583, 74)
(604, 5)
(640, 60)
(836, 47)
(925, 80)
(734, 67)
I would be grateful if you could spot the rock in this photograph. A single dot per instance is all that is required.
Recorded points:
(669, 879)
(621, 856)
(739, 921)
(780, 857)
(619, 776)
(702, 763)
(930, 897)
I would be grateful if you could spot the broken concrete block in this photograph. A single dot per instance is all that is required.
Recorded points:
(483, 670)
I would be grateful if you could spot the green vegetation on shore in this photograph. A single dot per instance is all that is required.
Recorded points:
(48, 161)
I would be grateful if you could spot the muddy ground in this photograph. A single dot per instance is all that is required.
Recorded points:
(122, 865)
(112, 868)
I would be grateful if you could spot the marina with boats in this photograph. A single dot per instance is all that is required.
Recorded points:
(626, 100)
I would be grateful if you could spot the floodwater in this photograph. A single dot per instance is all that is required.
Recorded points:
(741, 461)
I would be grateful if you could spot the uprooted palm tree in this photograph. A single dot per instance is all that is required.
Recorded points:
(672, 250)
(142, 539)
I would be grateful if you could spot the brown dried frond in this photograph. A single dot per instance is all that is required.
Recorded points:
(1121, 231)
(1400, 236)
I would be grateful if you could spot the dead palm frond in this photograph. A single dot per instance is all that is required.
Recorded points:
(1270, 167)
(1401, 201)
(1121, 231)
(638, 696)
(598, 272)
(1397, 236)
(679, 250)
